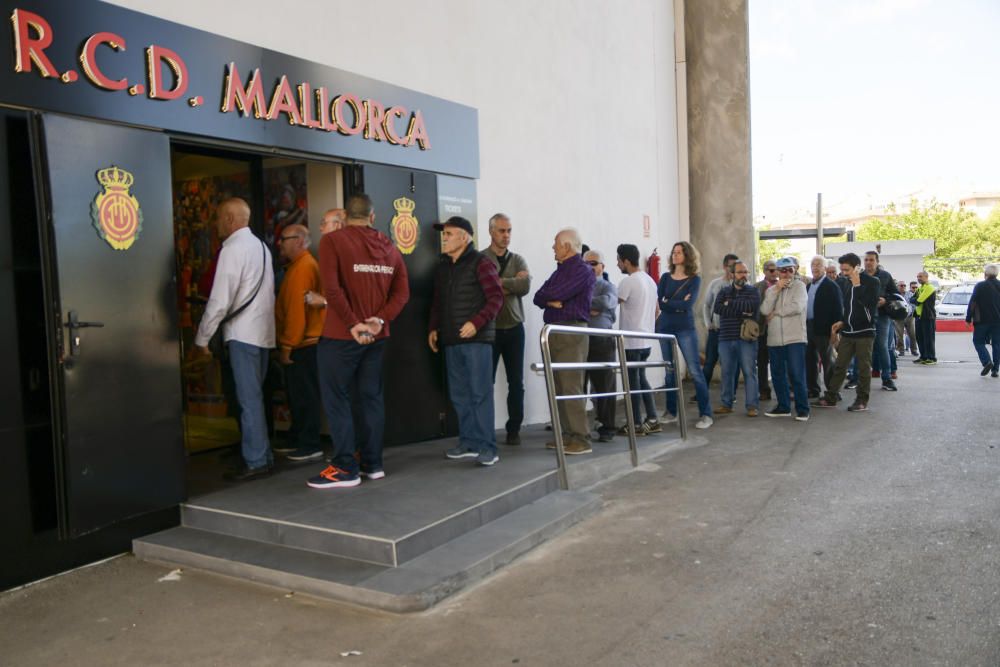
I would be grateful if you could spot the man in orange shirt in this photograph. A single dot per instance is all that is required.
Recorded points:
(298, 329)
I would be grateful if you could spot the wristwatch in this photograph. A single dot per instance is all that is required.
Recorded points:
(381, 322)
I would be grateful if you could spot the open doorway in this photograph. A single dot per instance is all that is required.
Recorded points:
(281, 191)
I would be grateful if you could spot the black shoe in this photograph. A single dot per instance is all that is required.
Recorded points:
(605, 436)
(919, 360)
(994, 374)
(513, 439)
(813, 394)
(778, 412)
(889, 385)
(987, 367)
(245, 474)
(303, 454)
(853, 384)
(858, 406)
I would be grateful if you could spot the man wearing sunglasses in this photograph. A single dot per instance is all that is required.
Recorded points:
(770, 278)
(784, 306)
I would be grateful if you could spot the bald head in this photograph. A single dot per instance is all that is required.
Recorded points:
(233, 214)
(293, 242)
(333, 220)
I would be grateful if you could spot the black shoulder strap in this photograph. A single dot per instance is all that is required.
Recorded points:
(256, 290)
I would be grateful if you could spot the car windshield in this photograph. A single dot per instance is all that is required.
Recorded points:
(957, 298)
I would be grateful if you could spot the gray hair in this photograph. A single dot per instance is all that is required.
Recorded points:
(597, 254)
(572, 237)
(768, 263)
(495, 217)
(833, 263)
(991, 269)
(819, 257)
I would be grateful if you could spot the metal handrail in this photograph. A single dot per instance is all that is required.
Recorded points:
(549, 369)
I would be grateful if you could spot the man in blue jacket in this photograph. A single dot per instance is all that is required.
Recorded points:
(984, 315)
(856, 332)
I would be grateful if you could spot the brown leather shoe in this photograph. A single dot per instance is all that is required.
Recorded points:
(752, 412)
(723, 410)
(577, 447)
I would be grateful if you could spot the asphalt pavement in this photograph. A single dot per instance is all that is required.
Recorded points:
(851, 539)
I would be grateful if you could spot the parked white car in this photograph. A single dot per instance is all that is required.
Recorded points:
(954, 304)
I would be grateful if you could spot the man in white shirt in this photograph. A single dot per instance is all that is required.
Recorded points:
(242, 302)
(637, 296)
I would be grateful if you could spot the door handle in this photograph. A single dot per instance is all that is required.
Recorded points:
(73, 323)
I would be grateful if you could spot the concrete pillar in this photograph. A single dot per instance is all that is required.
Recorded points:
(718, 126)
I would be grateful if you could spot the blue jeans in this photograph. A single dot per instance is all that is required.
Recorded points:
(789, 361)
(470, 389)
(347, 368)
(687, 341)
(980, 334)
(739, 355)
(249, 364)
(637, 380)
(880, 353)
(510, 345)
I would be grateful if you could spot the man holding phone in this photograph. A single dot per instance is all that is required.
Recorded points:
(856, 333)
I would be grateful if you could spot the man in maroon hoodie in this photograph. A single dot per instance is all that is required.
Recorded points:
(366, 286)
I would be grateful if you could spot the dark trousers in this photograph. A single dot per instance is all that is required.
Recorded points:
(818, 353)
(509, 344)
(925, 338)
(347, 368)
(859, 349)
(602, 348)
(636, 381)
(302, 388)
(762, 364)
(711, 354)
(983, 333)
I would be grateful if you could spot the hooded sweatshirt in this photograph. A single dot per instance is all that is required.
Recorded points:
(363, 276)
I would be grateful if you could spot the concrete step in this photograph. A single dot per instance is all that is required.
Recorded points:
(387, 532)
(414, 585)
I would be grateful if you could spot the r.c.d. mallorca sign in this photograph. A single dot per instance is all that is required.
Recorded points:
(115, 211)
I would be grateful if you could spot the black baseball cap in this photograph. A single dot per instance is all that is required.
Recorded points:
(455, 221)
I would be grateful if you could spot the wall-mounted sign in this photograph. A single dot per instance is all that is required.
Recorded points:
(115, 211)
(405, 227)
(98, 60)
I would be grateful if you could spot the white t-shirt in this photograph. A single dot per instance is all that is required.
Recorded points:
(637, 293)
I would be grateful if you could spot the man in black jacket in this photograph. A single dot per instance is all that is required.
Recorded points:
(467, 298)
(881, 361)
(825, 308)
(984, 314)
(856, 331)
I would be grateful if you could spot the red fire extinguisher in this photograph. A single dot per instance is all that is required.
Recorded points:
(653, 266)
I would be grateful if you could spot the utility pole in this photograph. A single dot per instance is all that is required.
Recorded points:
(819, 223)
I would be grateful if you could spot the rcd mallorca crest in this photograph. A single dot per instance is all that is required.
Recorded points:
(115, 212)
(405, 227)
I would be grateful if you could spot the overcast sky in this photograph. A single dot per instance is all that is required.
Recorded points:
(868, 100)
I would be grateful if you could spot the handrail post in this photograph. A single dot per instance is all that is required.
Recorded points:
(550, 385)
(682, 422)
(627, 389)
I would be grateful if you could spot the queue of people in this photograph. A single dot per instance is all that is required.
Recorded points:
(810, 336)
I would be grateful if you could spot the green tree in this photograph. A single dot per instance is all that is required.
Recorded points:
(770, 249)
(958, 234)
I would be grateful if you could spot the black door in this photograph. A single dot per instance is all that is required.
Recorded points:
(109, 282)
(416, 404)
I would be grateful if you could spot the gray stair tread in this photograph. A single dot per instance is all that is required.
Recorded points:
(415, 585)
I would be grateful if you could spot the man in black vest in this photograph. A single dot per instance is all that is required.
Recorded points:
(467, 297)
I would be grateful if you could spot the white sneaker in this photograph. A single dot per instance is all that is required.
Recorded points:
(668, 418)
(704, 422)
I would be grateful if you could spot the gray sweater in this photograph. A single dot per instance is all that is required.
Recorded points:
(788, 307)
(512, 312)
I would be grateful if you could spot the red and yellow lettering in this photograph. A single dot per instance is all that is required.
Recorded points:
(389, 128)
(89, 61)
(338, 114)
(417, 132)
(374, 113)
(154, 56)
(322, 101)
(236, 97)
(307, 106)
(28, 49)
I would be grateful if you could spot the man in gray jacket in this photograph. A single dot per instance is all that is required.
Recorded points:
(784, 306)
(509, 344)
(602, 348)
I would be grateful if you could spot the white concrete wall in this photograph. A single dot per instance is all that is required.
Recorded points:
(576, 105)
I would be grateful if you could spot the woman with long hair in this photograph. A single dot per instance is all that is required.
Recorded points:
(677, 293)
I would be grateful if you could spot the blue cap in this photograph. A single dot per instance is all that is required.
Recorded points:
(786, 262)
